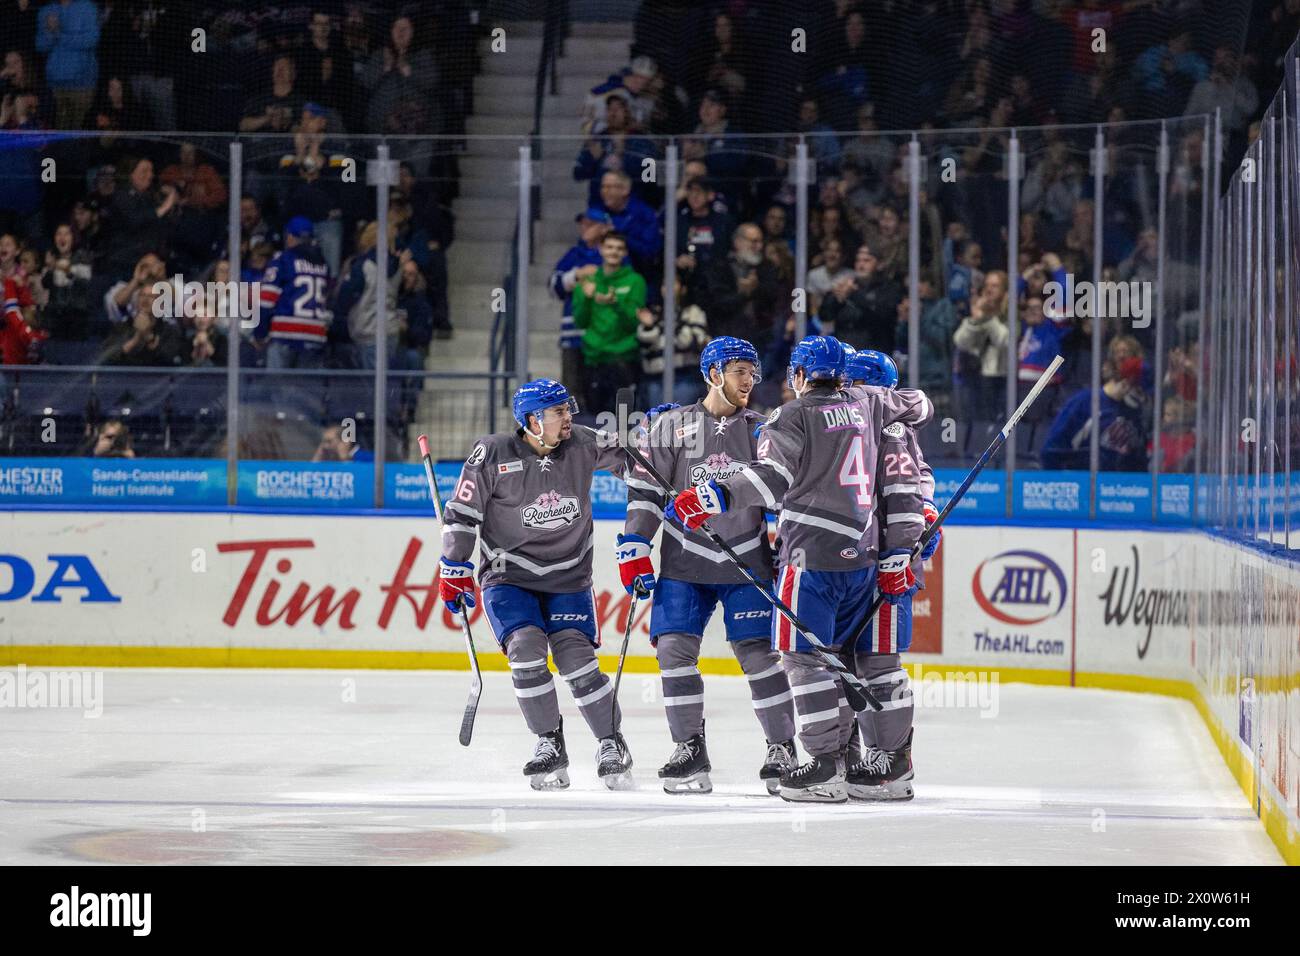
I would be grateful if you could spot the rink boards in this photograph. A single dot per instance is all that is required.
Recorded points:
(1174, 612)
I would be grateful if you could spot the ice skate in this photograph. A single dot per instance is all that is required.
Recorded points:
(883, 774)
(548, 770)
(780, 759)
(820, 780)
(614, 763)
(687, 770)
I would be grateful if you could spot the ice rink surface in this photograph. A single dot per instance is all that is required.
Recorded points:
(297, 767)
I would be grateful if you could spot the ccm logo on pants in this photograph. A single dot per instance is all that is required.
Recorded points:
(749, 615)
(568, 617)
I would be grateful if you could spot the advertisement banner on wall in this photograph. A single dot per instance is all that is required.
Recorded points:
(406, 488)
(305, 484)
(1174, 498)
(112, 481)
(927, 606)
(1124, 495)
(259, 581)
(1135, 600)
(1006, 596)
(1053, 494)
(986, 497)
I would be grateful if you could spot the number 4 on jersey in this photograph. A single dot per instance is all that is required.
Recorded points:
(854, 474)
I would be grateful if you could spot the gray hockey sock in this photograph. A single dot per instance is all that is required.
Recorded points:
(575, 659)
(768, 686)
(885, 676)
(534, 686)
(824, 716)
(679, 668)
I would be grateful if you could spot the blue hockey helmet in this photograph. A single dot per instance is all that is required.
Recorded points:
(871, 367)
(531, 398)
(820, 356)
(727, 348)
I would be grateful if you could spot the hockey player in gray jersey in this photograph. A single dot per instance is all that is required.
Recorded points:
(528, 495)
(884, 771)
(710, 440)
(819, 461)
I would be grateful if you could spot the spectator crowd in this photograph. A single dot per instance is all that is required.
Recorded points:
(81, 250)
(89, 223)
(724, 82)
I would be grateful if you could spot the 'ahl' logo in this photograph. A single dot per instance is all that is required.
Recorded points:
(1023, 581)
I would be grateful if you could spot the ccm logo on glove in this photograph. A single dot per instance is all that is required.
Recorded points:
(633, 555)
(694, 506)
(895, 575)
(456, 583)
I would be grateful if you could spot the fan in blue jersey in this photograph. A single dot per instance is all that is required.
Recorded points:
(295, 317)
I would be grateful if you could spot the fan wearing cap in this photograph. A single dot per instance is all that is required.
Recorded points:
(526, 497)
(1122, 422)
(619, 145)
(580, 262)
(703, 232)
(605, 307)
(294, 319)
(633, 84)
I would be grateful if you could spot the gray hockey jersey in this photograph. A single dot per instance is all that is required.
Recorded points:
(689, 446)
(822, 461)
(906, 473)
(532, 513)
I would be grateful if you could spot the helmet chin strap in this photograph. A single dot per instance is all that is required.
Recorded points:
(798, 391)
(538, 436)
(721, 389)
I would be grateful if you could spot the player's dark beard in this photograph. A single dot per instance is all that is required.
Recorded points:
(734, 398)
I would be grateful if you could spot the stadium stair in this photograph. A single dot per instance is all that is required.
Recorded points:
(487, 208)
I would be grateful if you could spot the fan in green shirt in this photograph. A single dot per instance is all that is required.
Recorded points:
(605, 306)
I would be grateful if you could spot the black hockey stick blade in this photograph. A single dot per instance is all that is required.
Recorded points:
(471, 711)
(476, 679)
(639, 593)
(475, 684)
(624, 402)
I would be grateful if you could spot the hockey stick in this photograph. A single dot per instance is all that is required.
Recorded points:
(639, 592)
(855, 691)
(476, 680)
(928, 534)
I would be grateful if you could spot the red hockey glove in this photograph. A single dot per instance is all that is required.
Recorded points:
(931, 516)
(694, 506)
(633, 554)
(895, 575)
(456, 583)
